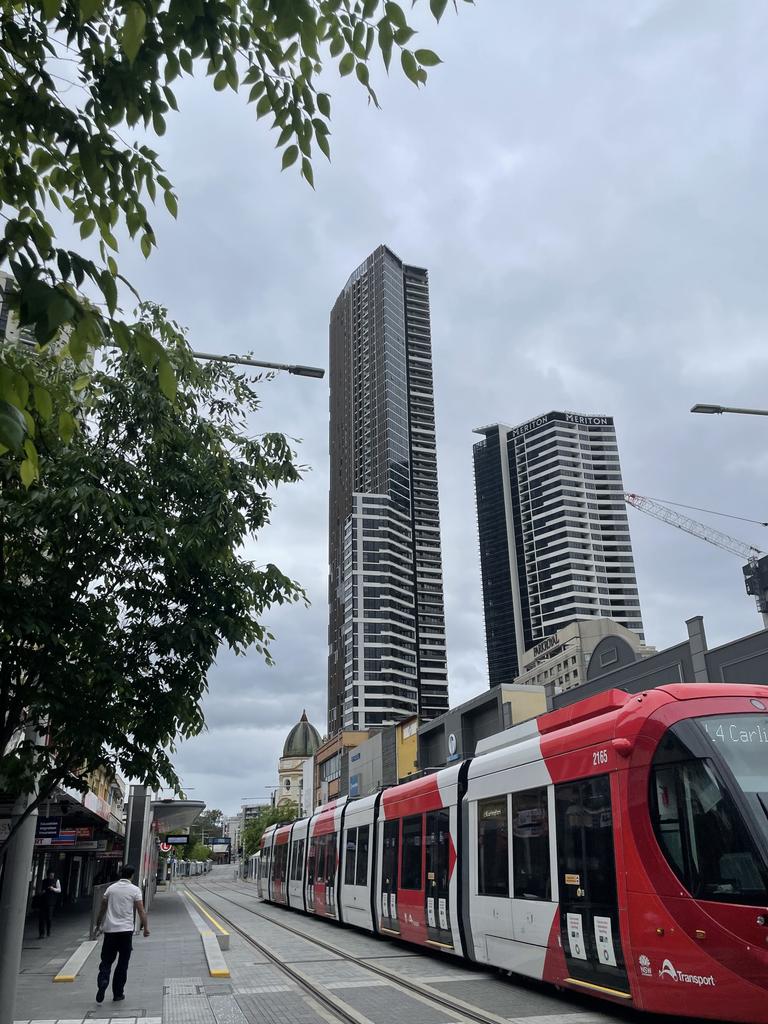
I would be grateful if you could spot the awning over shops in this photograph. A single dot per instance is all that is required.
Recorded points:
(171, 815)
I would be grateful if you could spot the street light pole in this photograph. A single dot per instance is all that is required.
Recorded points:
(297, 369)
(703, 407)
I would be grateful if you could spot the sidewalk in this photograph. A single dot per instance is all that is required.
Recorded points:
(172, 951)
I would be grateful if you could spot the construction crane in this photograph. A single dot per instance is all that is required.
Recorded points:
(756, 569)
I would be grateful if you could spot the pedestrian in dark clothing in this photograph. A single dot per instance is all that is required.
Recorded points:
(46, 902)
(118, 905)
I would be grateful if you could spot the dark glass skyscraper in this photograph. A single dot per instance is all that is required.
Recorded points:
(386, 636)
(554, 533)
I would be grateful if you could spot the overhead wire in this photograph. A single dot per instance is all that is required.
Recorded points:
(709, 511)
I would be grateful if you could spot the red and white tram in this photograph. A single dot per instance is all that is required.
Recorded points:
(616, 847)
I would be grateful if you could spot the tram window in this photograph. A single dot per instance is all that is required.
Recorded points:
(361, 875)
(312, 862)
(530, 845)
(492, 846)
(410, 875)
(330, 858)
(298, 860)
(701, 832)
(350, 852)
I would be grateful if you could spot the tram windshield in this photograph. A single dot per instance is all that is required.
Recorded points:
(711, 827)
(742, 740)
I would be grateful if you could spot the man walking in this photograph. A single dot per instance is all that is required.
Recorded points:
(47, 898)
(118, 904)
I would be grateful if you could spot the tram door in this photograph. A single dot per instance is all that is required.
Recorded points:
(589, 913)
(389, 861)
(436, 868)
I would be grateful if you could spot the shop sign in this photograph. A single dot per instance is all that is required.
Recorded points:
(47, 828)
(84, 833)
(97, 805)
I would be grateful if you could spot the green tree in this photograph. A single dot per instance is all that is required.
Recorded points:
(123, 573)
(77, 75)
(254, 829)
(196, 851)
(210, 823)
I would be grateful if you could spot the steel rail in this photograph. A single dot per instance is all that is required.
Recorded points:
(445, 1002)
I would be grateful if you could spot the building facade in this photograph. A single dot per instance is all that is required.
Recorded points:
(386, 643)
(615, 666)
(300, 745)
(563, 659)
(554, 534)
(454, 736)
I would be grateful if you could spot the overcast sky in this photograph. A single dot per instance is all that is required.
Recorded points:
(585, 182)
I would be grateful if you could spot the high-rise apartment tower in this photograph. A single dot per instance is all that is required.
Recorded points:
(386, 635)
(554, 534)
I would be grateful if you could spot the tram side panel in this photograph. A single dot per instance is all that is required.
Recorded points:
(321, 880)
(280, 865)
(357, 862)
(416, 894)
(512, 864)
(297, 866)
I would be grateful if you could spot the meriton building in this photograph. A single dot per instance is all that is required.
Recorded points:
(386, 658)
(554, 534)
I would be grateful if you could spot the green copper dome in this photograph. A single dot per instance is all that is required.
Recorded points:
(303, 739)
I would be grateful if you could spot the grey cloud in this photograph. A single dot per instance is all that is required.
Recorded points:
(586, 185)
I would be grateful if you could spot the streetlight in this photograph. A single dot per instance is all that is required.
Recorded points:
(300, 371)
(710, 409)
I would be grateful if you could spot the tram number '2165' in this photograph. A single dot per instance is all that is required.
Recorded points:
(599, 757)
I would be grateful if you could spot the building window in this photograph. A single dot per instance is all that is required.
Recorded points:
(493, 853)
(530, 845)
(410, 874)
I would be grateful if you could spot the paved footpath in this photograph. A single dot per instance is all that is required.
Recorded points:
(282, 976)
(163, 968)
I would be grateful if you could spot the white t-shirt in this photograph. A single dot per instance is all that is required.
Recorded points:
(121, 898)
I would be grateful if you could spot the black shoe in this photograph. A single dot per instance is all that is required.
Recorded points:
(100, 994)
(117, 999)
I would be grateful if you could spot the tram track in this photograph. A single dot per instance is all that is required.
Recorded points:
(462, 1011)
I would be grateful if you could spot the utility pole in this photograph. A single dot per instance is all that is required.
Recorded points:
(13, 901)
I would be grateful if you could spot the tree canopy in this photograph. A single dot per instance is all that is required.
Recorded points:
(210, 822)
(254, 829)
(122, 572)
(76, 76)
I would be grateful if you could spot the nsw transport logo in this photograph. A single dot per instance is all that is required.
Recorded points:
(668, 970)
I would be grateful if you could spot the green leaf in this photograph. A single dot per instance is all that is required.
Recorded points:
(170, 202)
(185, 59)
(395, 14)
(166, 378)
(67, 426)
(427, 58)
(346, 64)
(410, 67)
(31, 451)
(60, 310)
(43, 402)
(361, 71)
(146, 245)
(27, 473)
(87, 228)
(13, 429)
(51, 9)
(220, 80)
(87, 9)
(306, 170)
(324, 104)
(337, 45)
(82, 382)
(438, 8)
(290, 156)
(109, 290)
(133, 29)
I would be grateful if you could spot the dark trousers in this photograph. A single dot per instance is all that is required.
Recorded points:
(44, 912)
(120, 945)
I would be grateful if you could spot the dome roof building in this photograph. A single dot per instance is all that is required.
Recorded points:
(300, 745)
(303, 739)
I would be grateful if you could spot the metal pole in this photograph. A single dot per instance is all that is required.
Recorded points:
(13, 901)
(703, 407)
(299, 370)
